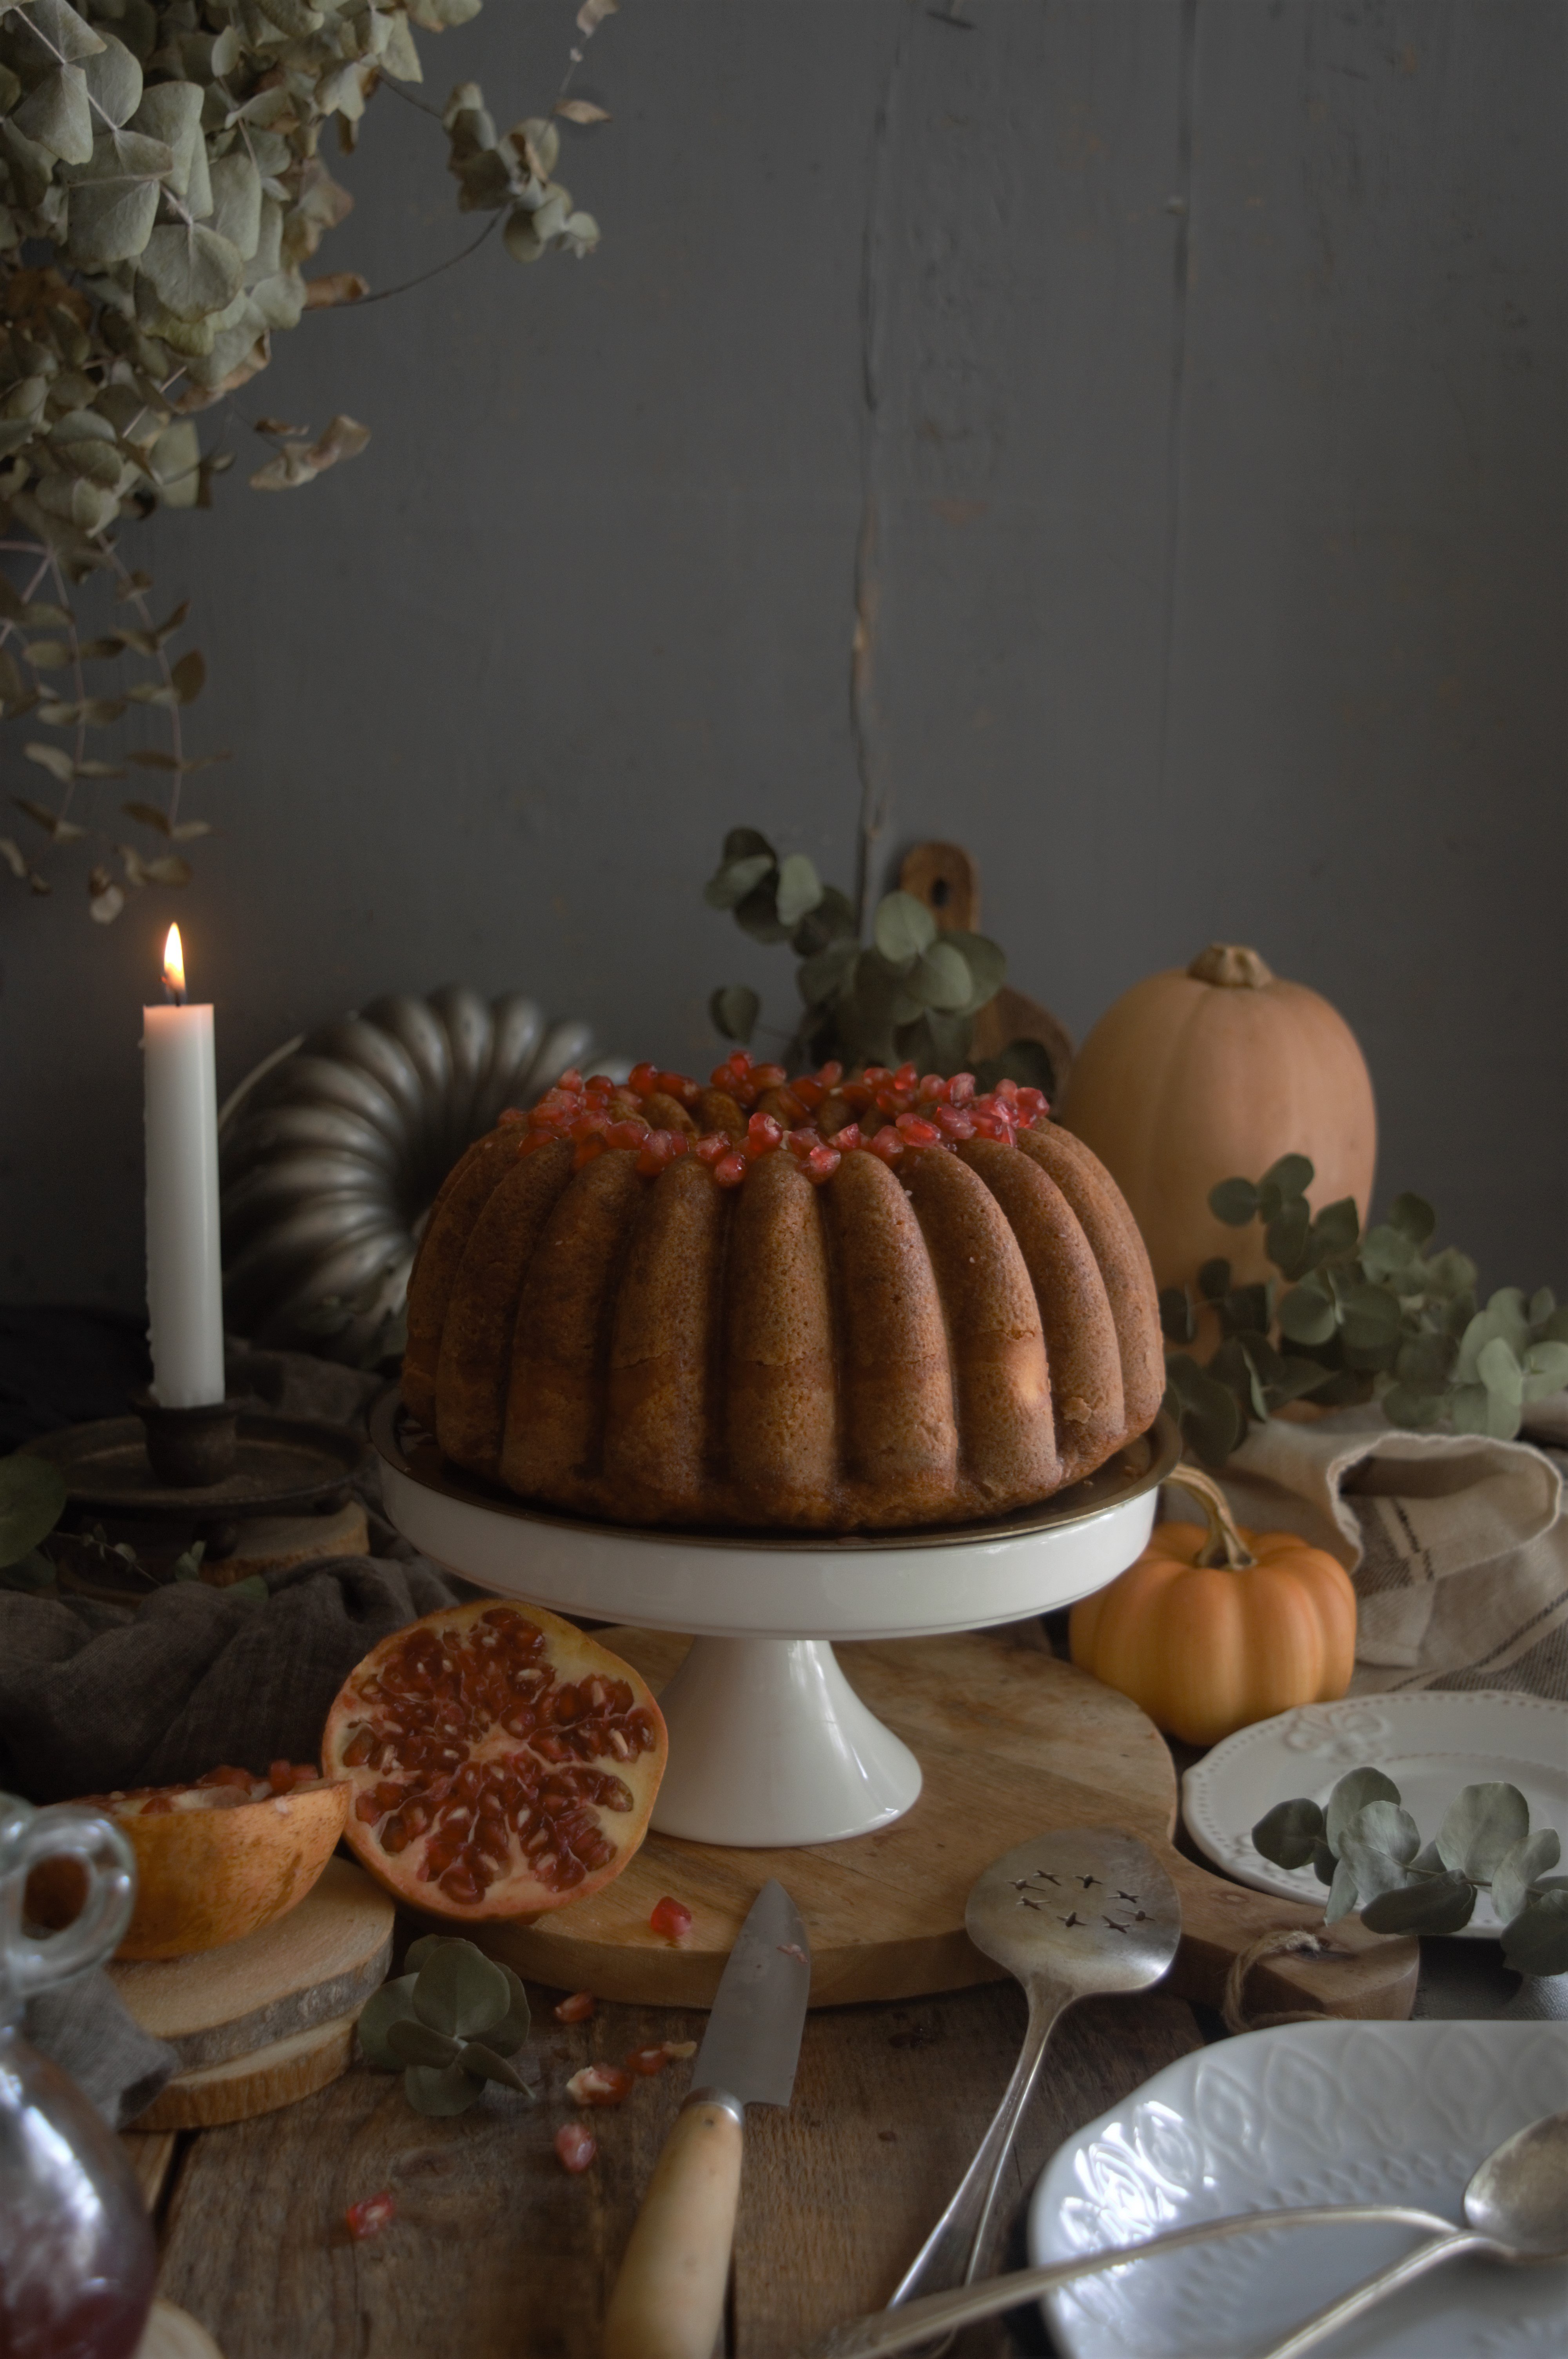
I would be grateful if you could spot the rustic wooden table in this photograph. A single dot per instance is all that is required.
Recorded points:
(495, 2250)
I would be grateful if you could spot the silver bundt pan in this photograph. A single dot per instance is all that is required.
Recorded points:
(333, 1150)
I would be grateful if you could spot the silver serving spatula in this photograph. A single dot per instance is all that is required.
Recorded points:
(669, 2297)
(1071, 1914)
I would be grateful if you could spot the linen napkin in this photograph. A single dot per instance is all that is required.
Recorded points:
(1457, 1544)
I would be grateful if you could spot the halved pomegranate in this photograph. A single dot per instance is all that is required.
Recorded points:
(215, 1860)
(502, 1764)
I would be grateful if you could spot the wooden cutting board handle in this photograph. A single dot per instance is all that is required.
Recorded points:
(944, 875)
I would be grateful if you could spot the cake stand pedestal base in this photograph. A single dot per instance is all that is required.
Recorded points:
(805, 1762)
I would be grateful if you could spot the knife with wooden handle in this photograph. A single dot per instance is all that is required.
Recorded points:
(669, 2298)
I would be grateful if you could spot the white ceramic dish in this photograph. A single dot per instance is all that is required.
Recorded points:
(1430, 1744)
(769, 1744)
(1317, 2113)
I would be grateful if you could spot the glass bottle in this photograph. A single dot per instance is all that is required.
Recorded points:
(78, 2262)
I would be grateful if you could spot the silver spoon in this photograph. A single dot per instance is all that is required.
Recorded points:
(1082, 1911)
(1516, 2203)
(1517, 2207)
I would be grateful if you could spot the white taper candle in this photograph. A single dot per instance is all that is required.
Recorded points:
(185, 1283)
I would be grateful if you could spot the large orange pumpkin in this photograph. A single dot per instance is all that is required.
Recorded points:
(1215, 1628)
(1213, 1073)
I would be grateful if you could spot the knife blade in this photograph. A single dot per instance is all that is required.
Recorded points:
(669, 2297)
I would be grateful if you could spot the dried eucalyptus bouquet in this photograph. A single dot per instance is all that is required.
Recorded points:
(1357, 1317)
(162, 195)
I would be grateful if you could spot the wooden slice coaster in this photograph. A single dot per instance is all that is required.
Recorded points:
(1012, 1742)
(262, 2021)
(247, 2085)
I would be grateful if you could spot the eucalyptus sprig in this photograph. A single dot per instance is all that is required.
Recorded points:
(912, 993)
(162, 197)
(1367, 1849)
(448, 2026)
(1359, 1318)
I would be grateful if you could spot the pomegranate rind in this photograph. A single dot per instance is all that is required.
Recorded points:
(421, 1713)
(208, 1877)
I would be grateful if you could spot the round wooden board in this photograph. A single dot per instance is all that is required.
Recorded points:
(1011, 1742)
(258, 2083)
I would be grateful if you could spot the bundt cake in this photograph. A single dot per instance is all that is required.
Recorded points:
(827, 1304)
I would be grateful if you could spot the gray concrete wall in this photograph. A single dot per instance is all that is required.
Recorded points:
(1217, 355)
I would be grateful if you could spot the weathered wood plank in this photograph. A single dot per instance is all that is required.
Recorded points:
(151, 2154)
(496, 2251)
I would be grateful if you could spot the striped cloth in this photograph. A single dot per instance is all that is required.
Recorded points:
(1457, 1545)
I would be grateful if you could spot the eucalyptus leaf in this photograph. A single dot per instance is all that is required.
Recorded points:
(32, 1493)
(940, 978)
(1234, 1202)
(460, 1991)
(1445, 1904)
(1293, 1175)
(1370, 1317)
(758, 916)
(819, 977)
(194, 270)
(1285, 1237)
(986, 961)
(392, 2004)
(1350, 1796)
(1379, 1845)
(1483, 1824)
(413, 2042)
(798, 891)
(1341, 1900)
(733, 1012)
(437, 2091)
(114, 81)
(57, 116)
(1289, 1835)
(482, 2061)
(1413, 1216)
(741, 842)
(1520, 1866)
(1306, 1314)
(507, 2035)
(903, 927)
(1336, 1229)
(1536, 1942)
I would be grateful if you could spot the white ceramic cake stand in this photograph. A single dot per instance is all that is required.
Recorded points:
(769, 1744)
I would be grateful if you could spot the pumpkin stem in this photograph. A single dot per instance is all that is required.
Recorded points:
(1224, 1544)
(1231, 965)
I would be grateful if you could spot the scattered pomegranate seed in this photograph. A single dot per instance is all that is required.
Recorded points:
(631, 1133)
(917, 1133)
(600, 2084)
(680, 1086)
(821, 1164)
(570, 1080)
(369, 2218)
(763, 1135)
(769, 1076)
(228, 1777)
(1033, 1103)
(643, 1079)
(729, 1170)
(954, 1122)
(512, 1114)
(576, 2009)
(848, 1139)
(906, 1077)
(874, 1076)
(993, 1125)
(810, 1093)
(830, 1075)
(887, 1144)
(671, 1918)
(933, 1089)
(576, 2146)
(791, 1105)
(712, 1146)
(645, 2061)
(960, 1089)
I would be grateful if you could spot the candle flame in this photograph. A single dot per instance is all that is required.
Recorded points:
(174, 966)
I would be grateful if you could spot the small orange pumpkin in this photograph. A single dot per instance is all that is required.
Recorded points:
(1215, 1628)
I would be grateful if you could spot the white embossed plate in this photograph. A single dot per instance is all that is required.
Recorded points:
(1430, 1744)
(1311, 2113)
